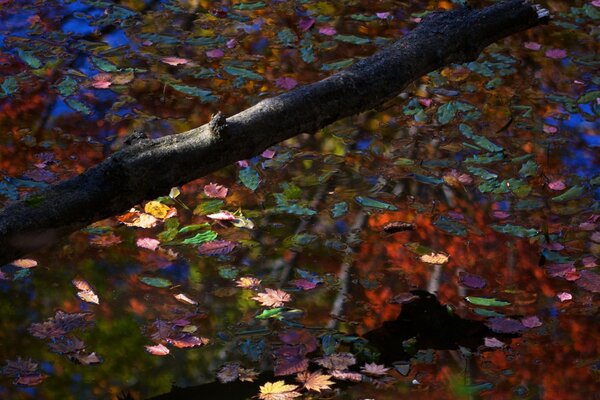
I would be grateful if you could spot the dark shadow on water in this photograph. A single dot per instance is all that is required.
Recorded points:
(423, 319)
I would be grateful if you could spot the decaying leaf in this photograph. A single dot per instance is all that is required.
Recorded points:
(215, 191)
(339, 361)
(374, 369)
(157, 209)
(137, 219)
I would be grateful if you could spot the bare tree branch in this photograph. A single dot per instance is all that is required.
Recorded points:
(149, 168)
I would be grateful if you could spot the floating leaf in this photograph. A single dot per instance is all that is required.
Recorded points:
(590, 281)
(352, 39)
(104, 65)
(278, 391)
(155, 282)
(315, 381)
(185, 299)
(573, 193)
(471, 280)
(202, 94)
(272, 298)
(249, 6)
(250, 178)
(215, 191)
(242, 72)
(78, 106)
(25, 263)
(175, 60)
(201, 237)
(158, 350)
(374, 369)
(29, 58)
(451, 227)
(435, 258)
(208, 207)
(336, 361)
(147, 243)
(9, 86)
(505, 325)
(217, 247)
(157, 209)
(370, 202)
(398, 226)
(480, 141)
(487, 301)
(515, 230)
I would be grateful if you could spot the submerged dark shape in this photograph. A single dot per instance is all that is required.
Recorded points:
(432, 326)
(423, 318)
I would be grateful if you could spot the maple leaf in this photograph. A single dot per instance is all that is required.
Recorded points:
(215, 191)
(67, 345)
(278, 391)
(229, 373)
(338, 361)
(247, 282)
(272, 298)
(46, 330)
(85, 359)
(290, 360)
(158, 350)
(374, 369)
(315, 381)
(106, 240)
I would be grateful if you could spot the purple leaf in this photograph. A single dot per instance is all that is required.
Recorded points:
(505, 325)
(589, 281)
(217, 247)
(471, 281)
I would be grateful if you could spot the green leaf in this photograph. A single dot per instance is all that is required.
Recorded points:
(9, 86)
(228, 272)
(480, 141)
(29, 58)
(204, 95)
(339, 209)
(352, 39)
(249, 6)
(369, 202)
(270, 313)
(78, 106)
(201, 237)
(194, 227)
(446, 112)
(208, 207)
(244, 73)
(515, 230)
(155, 282)
(530, 168)
(487, 301)
(337, 65)
(589, 96)
(104, 65)
(67, 86)
(287, 37)
(250, 178)
(482, 173)
(571, 194)
(306, 49)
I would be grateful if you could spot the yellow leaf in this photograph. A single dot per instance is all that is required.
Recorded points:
(278, 391)
(156, 209)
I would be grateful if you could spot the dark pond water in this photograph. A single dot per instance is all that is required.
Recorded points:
(479, 185)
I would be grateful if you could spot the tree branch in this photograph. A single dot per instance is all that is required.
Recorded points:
(149, 168)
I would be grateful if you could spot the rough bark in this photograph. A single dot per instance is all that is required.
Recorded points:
(148, 168)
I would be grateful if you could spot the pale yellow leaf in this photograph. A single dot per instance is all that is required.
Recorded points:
(315, 381)
(278, 391)
(435, 258)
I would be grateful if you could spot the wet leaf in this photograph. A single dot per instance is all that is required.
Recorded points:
(272, 298)
(352, 39)
(217, 247)
(242, 72)
(471, 280)
(202, 94)
(278, 391)
(155, 282)
(336, 361)
(505, 325)
(435, 258)
(216, 191)
(185, 299)
(25, 263)
(573, 193)
(78, 106)
(315, 381)
(200, 238)
(250, 178)
(158, 350)
(515, 230)
(487, 301)
(369, 202)
(29, 58)
(590, 281)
